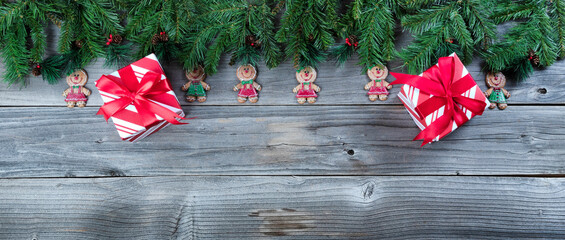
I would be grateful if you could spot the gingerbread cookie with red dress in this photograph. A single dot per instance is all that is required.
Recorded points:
(306, 90)
(76, 93)
(247, 87)
(378, 87)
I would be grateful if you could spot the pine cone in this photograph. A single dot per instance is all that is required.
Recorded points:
(249, 39)
(534, 58)
(164, 37)
(36, 71)
(252, 41)
(117, 39)
(155, 39)
(78, 43)
(353, 38)
(353, 41)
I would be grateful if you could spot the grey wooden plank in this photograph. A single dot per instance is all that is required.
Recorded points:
(281, 140)
(283, 208)
(340, 85)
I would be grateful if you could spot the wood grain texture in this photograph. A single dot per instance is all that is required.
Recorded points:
(281, 140)
(283, 208)
(340, 85)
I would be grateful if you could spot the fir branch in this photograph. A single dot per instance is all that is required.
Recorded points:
(482, 28)
(557, 13)
(427, 18)
(21, 25)
(534, 33)
(460, 33)
(38, 40)
(513, 11)
(465, 27)
(195, 46)
(117, 55)
(307, 30)
(546, 49)
(15, 57)
(215, 51)
(413, 5)
(421, 54)
(52, 68)
(265, 34)
(148, 18)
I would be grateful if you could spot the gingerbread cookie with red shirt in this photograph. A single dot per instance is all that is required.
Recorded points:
(77, 93)
(306, 90)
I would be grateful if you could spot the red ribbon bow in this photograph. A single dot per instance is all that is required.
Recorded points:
(445, 83)
(140, 94)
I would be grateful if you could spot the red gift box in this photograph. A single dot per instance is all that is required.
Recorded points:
(139, 99)
(442, 98)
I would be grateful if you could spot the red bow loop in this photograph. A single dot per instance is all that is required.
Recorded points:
(445, 83)
(139, 93)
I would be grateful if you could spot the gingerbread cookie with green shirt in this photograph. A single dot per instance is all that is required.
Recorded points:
(196, 87)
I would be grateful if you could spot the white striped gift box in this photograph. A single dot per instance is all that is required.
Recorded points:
(128, 122)
(412, 97)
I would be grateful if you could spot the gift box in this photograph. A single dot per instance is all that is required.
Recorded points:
(441, 99)
(139, 99)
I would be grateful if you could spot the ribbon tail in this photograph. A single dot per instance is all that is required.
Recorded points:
(435, 129)
(148, 109)
(103, 113)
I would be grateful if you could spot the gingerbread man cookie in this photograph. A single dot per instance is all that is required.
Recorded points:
(76, 93)
(378, 86)
(306, 90)
(247, 87)
(196, 87)
(496, 93)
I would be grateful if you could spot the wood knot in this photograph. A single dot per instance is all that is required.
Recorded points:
(368, 190)
(542, 90)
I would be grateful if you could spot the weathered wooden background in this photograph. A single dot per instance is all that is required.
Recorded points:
(343, 168)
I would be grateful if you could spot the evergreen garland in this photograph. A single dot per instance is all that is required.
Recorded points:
(244, 28)
(85, 25)
(198, 32)
(160, 26)
(368, 29)
(254, 35)
(442, 27)
(307, 29)
(536, 41)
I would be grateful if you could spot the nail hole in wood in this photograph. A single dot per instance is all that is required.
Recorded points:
(542, 90)
(350, 152)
